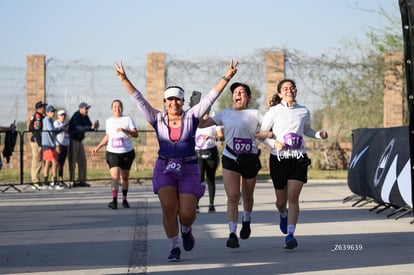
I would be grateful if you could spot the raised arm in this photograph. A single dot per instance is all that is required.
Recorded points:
(120, 73)
(231, 71)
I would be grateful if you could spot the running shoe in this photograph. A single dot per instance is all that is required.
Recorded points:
(84, 184)
(59, 186)
(37, 186)
(113, 205)
(283, 224)
(81, 184)
(125, 204)
(188, 240)
(232, 242)
(175, 254)
(290, 242)
(63, 184)
(245, 230)
(211, 209)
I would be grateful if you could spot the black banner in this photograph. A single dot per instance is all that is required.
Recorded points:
(380, 165)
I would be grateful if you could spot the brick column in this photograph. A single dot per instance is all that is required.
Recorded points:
(35, 81)
(35, 91)
(156, 79)
(275, 72)
(393, 90)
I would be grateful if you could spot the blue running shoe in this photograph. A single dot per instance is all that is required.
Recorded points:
(188, 240)
(290, 242)
(175, 254)
(283, 224)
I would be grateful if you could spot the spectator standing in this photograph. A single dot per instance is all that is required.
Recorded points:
(62, 145)
(35, 127)
(120, 153)
(48, 148)
(78, 124)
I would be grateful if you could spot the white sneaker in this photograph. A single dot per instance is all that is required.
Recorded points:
(59, 187)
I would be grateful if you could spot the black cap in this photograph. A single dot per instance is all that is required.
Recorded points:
(237, 84)
(84, 105)
(40, 104)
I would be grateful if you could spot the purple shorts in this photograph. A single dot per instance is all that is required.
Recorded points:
(186, 183)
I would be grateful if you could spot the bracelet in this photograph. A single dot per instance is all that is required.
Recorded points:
(226, 79)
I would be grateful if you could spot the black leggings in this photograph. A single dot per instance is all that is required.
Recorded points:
(208, 161)
(61, 158)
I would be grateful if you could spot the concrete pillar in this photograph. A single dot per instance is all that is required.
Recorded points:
(275, 72)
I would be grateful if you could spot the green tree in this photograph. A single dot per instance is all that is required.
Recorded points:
(350, 82)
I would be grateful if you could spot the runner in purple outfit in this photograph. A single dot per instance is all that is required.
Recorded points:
(176, 177)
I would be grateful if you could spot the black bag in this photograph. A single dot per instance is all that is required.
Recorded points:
(249, 164)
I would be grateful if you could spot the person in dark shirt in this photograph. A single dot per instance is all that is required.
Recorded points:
(78, 124)
(36, 126)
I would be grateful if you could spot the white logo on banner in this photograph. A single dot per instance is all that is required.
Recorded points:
(383, 163)
(357, 157)
(403, 182)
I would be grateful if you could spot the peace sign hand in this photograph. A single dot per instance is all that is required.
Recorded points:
(120, 72)
(232, 70)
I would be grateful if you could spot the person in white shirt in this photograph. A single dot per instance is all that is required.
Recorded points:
(208, 157)
(62, 145)
(289, 123)
(120, 153)
(240, 160)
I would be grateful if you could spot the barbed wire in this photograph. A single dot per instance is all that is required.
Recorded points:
(69, 83)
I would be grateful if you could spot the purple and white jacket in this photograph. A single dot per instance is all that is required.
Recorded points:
(185, 147)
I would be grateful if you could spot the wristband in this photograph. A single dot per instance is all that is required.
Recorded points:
(226, 79)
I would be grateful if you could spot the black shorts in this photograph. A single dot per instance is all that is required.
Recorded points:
(231, 164)
(288, 169)
(123, 160)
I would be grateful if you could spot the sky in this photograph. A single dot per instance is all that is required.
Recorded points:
(105, 31)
